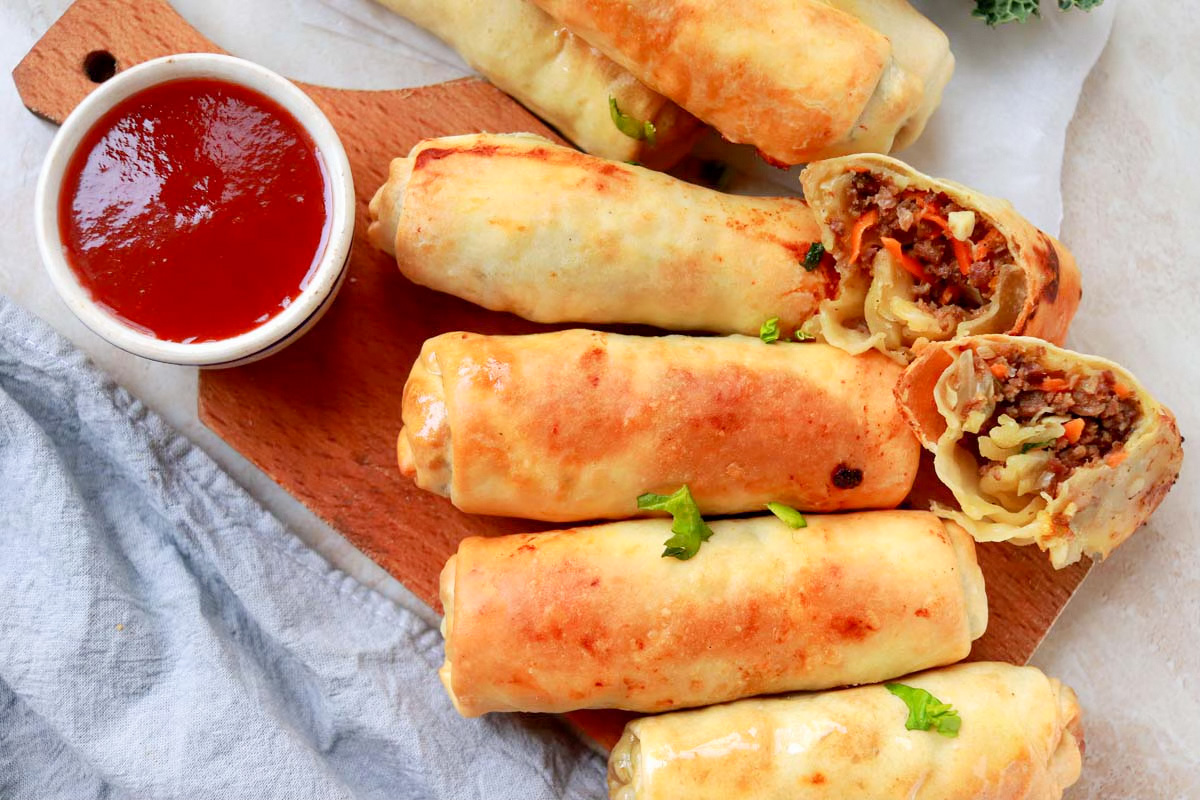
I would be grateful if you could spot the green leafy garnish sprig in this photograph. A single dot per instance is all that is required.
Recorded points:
(812, 259)
(790, 516)
(689, 527)
(926, 712)
(643, 131)
(1000, 12)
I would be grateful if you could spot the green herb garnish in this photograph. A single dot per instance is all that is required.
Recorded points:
(633, 128)
(1025, 448)
(999, 12)
(689, 527)
(812, 259)
(770, 333)
(790, 516)
(925, 711)
(769, 330)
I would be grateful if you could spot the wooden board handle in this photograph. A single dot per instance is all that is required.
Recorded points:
(93, 40)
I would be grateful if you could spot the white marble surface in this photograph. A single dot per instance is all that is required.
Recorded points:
(1130, 190)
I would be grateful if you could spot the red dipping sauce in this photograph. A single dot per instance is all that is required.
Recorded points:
(195, 210)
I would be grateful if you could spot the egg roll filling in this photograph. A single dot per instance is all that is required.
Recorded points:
(1031, 427)
(953, 256)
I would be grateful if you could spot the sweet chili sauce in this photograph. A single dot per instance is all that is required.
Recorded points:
(195, 210)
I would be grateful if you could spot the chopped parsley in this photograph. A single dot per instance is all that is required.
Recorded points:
(769, 330)
(926, 712)
(1000, 12)
(812, 259)
(689, 527)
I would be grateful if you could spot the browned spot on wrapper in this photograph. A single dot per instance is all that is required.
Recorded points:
(853, 627)
(846, 477)
(438, 153)
(1050, 259)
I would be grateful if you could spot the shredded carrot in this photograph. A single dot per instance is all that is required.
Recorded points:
(940, 221)
(985, 245)
(963, 253)
(962, 250)
(999, 370)
(1073, 430)
(1053, 385)
(910, 264)
(1115, 458)
(860, 169)
(1121, 390)
(860, 227)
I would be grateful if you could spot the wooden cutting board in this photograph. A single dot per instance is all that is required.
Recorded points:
(321, 418)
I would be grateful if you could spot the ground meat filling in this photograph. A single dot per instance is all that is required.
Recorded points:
(1107, 407)
(948, 281)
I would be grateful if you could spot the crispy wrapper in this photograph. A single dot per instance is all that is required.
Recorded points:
(797, 79)
(556, 75)
(1021, 738)
(516, 223)
(575, 425)
(1036, 295)
(1096, 508)
(596, 618)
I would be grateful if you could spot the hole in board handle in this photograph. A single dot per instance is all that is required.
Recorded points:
(99, 65)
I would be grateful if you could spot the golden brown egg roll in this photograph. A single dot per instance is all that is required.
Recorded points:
(1021, 738)
(596, 618)
(517, 223)
(797, 79)
(923, 258)
(575, 425)
(556, 75)
(1041, 445)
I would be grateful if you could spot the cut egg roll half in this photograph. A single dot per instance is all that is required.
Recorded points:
(923, 259)
(1041, 445)
(597, 617)
(558, 76)
(517, 223)
(576, 425)
(1020, 737)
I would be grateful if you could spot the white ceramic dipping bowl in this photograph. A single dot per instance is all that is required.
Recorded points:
(268, 337)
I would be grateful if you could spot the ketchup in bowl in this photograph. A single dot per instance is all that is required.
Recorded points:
(195, 210)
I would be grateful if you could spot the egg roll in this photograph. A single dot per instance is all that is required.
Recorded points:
(1041, 445)
(575, 425)
(1021, 738)
(556, 75)
(516, 223)
(595, 617)
(797, 79)
(926, 259)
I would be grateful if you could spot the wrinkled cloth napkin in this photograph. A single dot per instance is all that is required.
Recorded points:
(162, 636)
